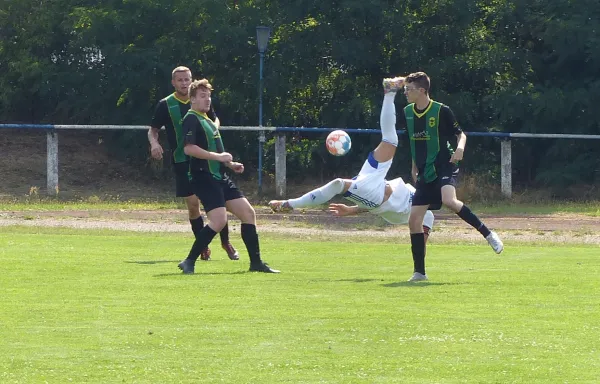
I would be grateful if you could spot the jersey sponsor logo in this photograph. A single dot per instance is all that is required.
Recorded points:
(424, 135)
(432, 122)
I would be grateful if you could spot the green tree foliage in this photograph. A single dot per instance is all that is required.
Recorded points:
(513, 66)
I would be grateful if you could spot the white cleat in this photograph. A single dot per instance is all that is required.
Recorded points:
(418, 277)
(393, 84)
(494, 241)
(280, 206)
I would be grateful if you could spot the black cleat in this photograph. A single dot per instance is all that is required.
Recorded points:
(262, 267)
(187, 266)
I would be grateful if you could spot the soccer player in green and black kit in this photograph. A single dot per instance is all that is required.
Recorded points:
(217, 193)
(169, 113)
(431, 126)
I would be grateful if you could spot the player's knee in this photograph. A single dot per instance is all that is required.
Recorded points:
(451, 202)
(337, 184)
(390, 138)
(218, 223)
(415, 223)
(193, 207)
(246, 213)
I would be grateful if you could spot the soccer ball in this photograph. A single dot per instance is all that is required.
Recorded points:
(338, 143)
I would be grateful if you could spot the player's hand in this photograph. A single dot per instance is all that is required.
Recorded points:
(457, 156)
(340, 209)
(236, 167)
(156, 151)
(224, 157)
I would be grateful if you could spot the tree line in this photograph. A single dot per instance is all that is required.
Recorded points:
(528, 66)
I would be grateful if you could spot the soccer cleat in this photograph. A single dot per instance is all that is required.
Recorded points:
(393, 84)
(494, 241)
(262, 267)
(187, 266)
(231, 251)
(205, 255)
(280, 206)
(418, 277)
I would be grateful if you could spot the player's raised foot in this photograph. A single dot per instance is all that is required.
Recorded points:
(232, 253)
(280, 206)
(262, 267)
(393, 84)
(187, 266)
(205, 255)
(494, 241)
(418, 277)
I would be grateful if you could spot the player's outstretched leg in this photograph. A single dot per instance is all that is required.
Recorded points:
(313, 198)
(386, 150)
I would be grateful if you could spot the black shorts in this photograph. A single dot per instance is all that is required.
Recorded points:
(183, 187)
(214, 193)
(431, 193)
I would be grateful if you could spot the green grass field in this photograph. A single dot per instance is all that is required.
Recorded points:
(111, 307)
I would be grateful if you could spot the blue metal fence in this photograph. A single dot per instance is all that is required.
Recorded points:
(280, 150)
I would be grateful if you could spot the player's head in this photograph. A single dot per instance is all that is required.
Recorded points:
(199, 93)
(181, 78)
(416, 86)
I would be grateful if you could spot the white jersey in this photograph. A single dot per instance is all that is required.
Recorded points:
(368, 189)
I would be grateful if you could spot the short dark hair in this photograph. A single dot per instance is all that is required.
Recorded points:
(198, 84)
(420, 79)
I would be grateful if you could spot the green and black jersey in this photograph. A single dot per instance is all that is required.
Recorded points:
(200, 130)
(169, 113)
(430, 132)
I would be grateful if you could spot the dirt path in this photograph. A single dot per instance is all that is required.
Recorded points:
(569, 228)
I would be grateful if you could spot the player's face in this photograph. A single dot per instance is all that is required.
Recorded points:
(181, 82)
(412, 92)
(201, 102)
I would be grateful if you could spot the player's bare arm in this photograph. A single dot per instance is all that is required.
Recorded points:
(156, 149)
(200, 153)
(460, 148)
(235, 166)
(344, 210)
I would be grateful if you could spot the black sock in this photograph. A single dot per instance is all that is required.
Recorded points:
(468, 216)
(225, 234)
(203, 238)
(417, 241)
(250, 238)
(197, 225)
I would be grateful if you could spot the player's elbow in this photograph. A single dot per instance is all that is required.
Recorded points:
(188, 149)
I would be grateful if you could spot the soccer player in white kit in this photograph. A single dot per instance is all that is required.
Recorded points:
(369, 190)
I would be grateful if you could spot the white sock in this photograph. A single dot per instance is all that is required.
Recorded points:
(318, 196)
(387, 120)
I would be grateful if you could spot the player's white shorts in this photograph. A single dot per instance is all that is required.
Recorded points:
(396, 209)
(368, 189)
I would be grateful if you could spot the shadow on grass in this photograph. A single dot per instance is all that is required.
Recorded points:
(419, 284)
(200, 274)
(152, 262)
(359, 280)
